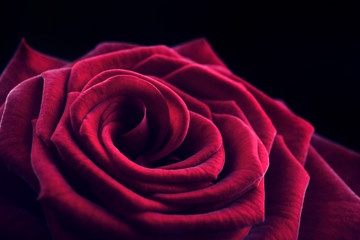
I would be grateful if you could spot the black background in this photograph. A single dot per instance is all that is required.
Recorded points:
(306, 53)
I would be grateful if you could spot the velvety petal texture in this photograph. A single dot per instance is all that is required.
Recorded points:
(158, 142)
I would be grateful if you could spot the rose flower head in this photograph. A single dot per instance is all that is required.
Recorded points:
(158, 142)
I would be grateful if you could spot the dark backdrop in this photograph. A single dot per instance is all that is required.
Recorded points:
(306, 53)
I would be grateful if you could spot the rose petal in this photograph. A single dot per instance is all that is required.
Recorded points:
(21, 106)
(285, 186)
(191, 102)
(178, 113)
(86, 69)
(204, 83)
(106, 188)
(195, 150)
(227, 107)
(53, 102)
(331, 209)
(208, 170)
(199, 51)
(240, 214)
(130, 86)
(150, 65)
(343, 161)
(296, 131)
(242, 171)
(26, 63)
(90, 132)
(76, 217)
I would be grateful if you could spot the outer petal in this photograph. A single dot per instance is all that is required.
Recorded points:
(296, 131)
(26, 63)
(343, 161)
(285, 185)
(331, 209)
(199, 51)
(22, 105)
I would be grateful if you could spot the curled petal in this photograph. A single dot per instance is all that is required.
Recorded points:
(22, 105)
(26, 63)
(86, 69)
(76, 216)
(53, 102)
(210, 165)
(105, 187)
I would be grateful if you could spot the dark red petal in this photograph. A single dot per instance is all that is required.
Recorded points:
(178, 122)
(203, 141)
(26, 63)
(285, 185)
(243, 212)
(227, 107)
(86, 69)
(92, 127)
(208, 170)
(105, 187)
(331, 209)
(129, 86)
(242, 171)
(199, 51)
(150, 65)
(53, 102)
(204, 83)
(199, 160)
(69, 214)
(296, 131)
(191, 102)
(343, 161)
(22, 105)
(89, 137)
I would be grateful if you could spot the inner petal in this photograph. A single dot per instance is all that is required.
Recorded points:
(129, 128)
(129, 87)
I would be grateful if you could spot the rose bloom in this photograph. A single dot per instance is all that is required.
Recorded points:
(153, 142)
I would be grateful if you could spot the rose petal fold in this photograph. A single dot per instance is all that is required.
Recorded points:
(331, 209)
(200, 51)
(205, 83)
(345, 162)
(22, 105)
(76, 216)
(285, 186)
(86, 69)
(26, 63)
(296, 131)
(53, 102)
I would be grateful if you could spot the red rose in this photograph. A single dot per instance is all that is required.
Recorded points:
(133, 142)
